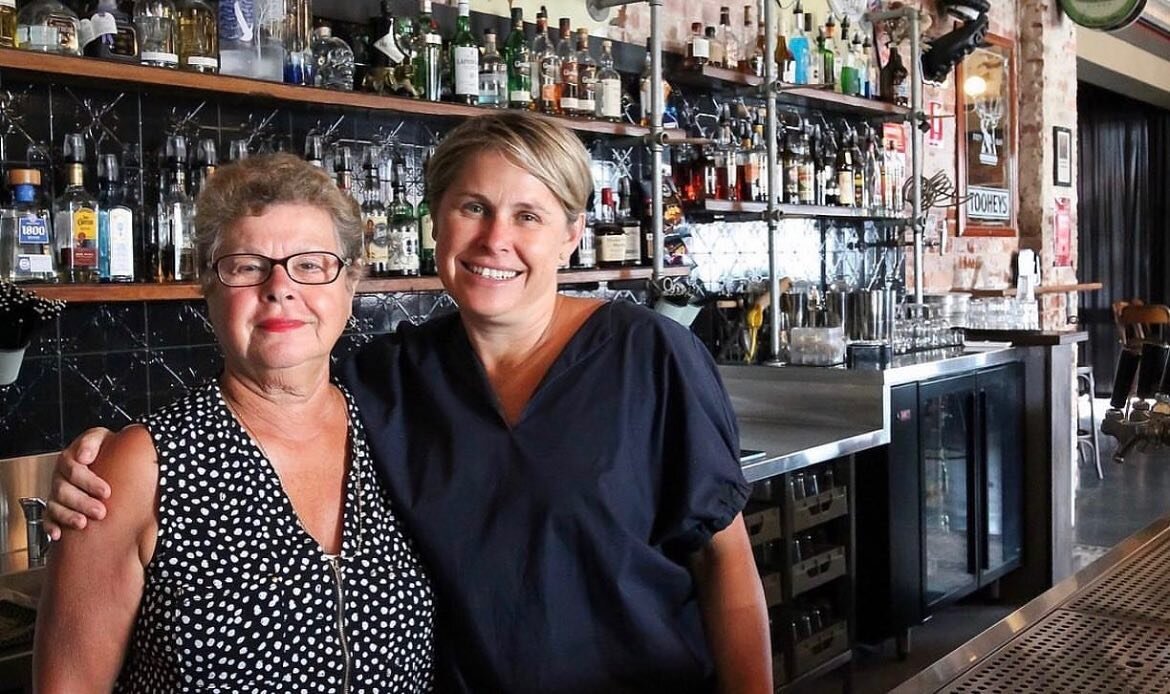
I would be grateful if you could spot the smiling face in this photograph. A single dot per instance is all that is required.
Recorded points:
(500, 235)
(280, 325)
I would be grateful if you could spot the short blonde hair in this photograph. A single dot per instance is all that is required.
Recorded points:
(540, 146)
(247, 187)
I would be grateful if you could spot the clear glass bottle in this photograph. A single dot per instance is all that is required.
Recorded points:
(544, 84)
(7, 23)
(586, 77)
(728, 40)
(745, 41)
(298, 43)
(377, 234)
(174, 227)
(757, 63)
(609, 86)
(332, 61)
(48, 26)
(343, 169)
(75, 218)
(714, 47)
(111, 34)
(155, 21)
(315, 150)
(464, 58)
(117, 240)
(845, 164)
(198, 37)
(28, 248)
(799, 47)
(518, 58)
(404, 255)
(493, 74)
(206, 162)
(428, 55)
(698, 49)
(645, 82)
(568, 62)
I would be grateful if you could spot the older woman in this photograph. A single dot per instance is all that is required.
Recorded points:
(249, 546)
(568, 468)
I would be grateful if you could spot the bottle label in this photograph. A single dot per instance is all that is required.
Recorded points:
(32, 230)
(11, 4)
(66, 31)
(159, 57)
(700, 48)
(203, 61)
(121, 240)
(403, 250)
(237, 20)
(388, 46)
(611, 98)
(466, 71)
(426, 232)
(569, 103)
(377, 239)
(845, 187)
(633, 233)
(85, 238)
(611, 248)
(434, 39)
(34, 264)
(805, 181)
(102, 24)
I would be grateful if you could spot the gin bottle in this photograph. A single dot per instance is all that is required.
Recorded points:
(403, 250)
(48, 26)
(27, 245)
(427, 50)
(155, 21)
(332, 61)
(493, 74)
(174, 226)
(116, 237)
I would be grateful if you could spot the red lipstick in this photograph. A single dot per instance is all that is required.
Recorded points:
(279, 325)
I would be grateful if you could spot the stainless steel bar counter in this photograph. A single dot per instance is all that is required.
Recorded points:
(1103, 629)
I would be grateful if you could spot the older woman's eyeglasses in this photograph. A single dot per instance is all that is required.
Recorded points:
(249, 270)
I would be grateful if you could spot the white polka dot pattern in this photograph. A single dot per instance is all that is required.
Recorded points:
(240, 598)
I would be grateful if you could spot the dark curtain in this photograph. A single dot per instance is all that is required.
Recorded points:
(1123, 213)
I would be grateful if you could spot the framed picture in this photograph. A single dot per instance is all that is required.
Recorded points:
(1061, 156)
(986, 131)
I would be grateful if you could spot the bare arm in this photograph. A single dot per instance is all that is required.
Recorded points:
(95, 577)
(735, 616)
(77, 492)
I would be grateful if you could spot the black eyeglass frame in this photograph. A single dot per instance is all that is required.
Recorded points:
(283, 262)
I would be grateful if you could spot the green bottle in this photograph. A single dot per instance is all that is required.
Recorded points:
(464, 58)
(427, 48)
(519, 59)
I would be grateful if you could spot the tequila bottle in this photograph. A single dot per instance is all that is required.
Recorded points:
(174, 228)
(27, 245)
(518, 58)
(155, 21)
(116, 232)
(75, 218)
(111, 34)
(332, 61)
(464, 58)
(198, 36)
(403, 251)
(493, 74)
(48, 26)
(609, 81)
(586, 76)
(428, 56)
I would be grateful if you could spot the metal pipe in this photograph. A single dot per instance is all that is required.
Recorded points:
(769, 87)
(916, 116)
(656, 107)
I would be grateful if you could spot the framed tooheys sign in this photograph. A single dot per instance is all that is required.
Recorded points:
(1105, 15)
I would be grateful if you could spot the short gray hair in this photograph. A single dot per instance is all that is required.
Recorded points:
(247, 187)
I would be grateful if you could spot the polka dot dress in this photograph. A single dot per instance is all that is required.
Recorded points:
(240, 598)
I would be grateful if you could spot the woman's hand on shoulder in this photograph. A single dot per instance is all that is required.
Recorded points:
(77, 493)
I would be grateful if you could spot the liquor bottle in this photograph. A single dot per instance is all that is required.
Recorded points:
(343, 169)
(799, 46)
(464, 58)
(175, 242)
(711, 164)
(870, 67)
(609, 236)
(609, 86)
(853, 84)
(567, 58)
(544, 83)
(815, 49)
(699, 48)
(206, 161)
(586, 77)
(585, 255)
(729, 174)
(28, 248)
(155, 21)
(746, 175)
(895, 87)
(759, 164)
(111, 35)
(631, 226)
(790, 163)
(829, 54)
(238, 150)
(855, 153)
(806, 175)
(714, 47)
(333, 64)
(841, 50)
(75, 218)
(428, 55)
(48, 26)
(845, 163)
(404, 242)
(198, 37)
(116, 237)
(298, 43)
(728, 40)
(7, 23)
(826, 163)
(386, 53)
(873, 173)
(746, 42)
(315, 150)
(645, 82)
(376, 221)
(757, 65)
(493, 74)
(518, 59)
(426, 238)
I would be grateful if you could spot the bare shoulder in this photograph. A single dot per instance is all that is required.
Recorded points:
(128, 461)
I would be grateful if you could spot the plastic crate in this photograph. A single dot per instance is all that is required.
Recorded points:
(818, 570)
(812, 511)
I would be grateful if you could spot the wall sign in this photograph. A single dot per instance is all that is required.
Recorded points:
(986, 139)
(988, 203)
(1105, 15)
(1062, 233)
(1061, 156)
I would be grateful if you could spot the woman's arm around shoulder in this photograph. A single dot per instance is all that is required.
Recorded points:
(95, 576)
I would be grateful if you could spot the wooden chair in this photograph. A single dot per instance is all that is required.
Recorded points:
(1138, 323)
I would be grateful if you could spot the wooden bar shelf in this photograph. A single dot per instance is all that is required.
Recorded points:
(187, 291)
(1042, 289)
(84, 71)
(794, 211)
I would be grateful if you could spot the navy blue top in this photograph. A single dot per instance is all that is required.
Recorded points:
(558, 547)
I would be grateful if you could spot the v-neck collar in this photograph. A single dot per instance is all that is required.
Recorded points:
(595, 331)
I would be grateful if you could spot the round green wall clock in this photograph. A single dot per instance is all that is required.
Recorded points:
(1105, 15)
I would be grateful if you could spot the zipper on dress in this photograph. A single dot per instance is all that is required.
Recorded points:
(335, 564)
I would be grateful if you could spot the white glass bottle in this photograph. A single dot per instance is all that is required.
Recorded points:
(27, 245)
(155, 21)
(49, 27)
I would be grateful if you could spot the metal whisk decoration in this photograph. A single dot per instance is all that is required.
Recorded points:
(22, 313)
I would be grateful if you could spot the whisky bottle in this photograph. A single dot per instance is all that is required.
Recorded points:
(493, 74)
(631, 226)
(545, 81)
(174, 228)
(518, 59)
(111, 34)
(608, 235)
(75, 217)
(403, 257)
(155, 21)
(586, 77)
(609, 86)
(28, 248)
(117, 239)
(464, 58)
(567, 57)
(48, 26)
(198, 37)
